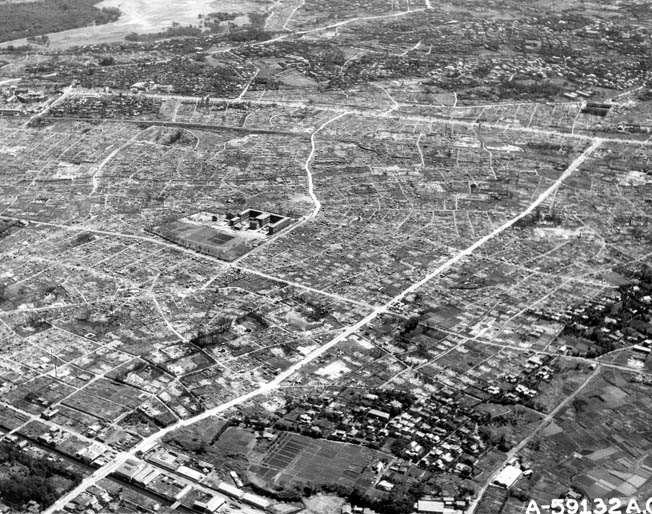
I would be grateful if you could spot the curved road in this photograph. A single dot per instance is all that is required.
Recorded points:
(269, 387)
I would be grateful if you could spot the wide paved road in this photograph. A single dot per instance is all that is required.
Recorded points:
(271, 386)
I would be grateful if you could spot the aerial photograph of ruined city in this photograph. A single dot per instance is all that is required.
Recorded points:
(326, 256)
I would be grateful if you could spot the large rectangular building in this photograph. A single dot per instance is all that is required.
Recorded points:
(230, 490)
(255, 220)
(256, 501)
(130, 468)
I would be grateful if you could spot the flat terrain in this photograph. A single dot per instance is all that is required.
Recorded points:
(142, 17)
(465, 281)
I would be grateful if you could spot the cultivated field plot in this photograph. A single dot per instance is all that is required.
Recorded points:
(292, 458)
(105, 399)
(38, 394)
(606, 426)
(10, 419)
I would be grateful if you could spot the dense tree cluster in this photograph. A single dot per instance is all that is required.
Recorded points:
(213, 24)
(25, 478)
(630, 314)
(19, 20)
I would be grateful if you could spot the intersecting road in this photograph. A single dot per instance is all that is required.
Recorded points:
(271, 386)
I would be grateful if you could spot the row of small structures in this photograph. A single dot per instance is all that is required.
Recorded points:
(143, 473)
